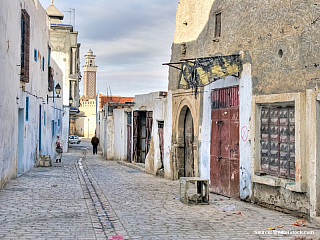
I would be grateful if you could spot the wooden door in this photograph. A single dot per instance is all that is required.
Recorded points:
(224, 151)
(188, 145)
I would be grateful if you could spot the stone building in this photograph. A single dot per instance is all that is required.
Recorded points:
(85, 124)
(245, 100)
(149, 120)
(30, 110)
(65, 50)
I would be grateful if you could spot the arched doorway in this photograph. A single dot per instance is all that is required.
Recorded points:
(188, 145)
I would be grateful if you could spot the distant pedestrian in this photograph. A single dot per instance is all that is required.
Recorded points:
(59, 150)
(95, 142)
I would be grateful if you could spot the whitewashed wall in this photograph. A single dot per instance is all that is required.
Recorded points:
(120, 134)
(24, 144)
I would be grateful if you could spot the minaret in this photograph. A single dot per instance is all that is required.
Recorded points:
(90, 72)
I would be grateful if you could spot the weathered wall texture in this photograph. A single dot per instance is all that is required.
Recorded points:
(25, 139)
(281, 55)
(120, 134)
(158, 104)
(262, 28)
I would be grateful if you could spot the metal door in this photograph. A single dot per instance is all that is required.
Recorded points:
(143, 136)
(224, 151)
(135, 135)
(20, 167)
(188, 145)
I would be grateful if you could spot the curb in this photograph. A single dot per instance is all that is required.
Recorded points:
(132, 165)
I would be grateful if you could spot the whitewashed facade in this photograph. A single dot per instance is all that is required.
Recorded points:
(30, 120)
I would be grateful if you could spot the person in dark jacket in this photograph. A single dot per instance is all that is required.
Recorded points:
(95, 142)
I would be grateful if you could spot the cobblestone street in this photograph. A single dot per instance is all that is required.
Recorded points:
(86, 197)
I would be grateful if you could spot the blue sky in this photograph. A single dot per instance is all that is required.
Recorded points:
(131, 39)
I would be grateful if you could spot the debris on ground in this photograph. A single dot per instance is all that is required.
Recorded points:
(116, 237)
(300, 222)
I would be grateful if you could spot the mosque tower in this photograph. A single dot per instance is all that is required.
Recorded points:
(90, 74)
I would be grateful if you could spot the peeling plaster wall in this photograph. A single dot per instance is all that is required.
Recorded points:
(167, 161)
(157, 104)
(110, 138)
(280, 41)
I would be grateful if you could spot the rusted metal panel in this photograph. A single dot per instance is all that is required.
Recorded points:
(188, 145)
(234, 178)
(224, 150)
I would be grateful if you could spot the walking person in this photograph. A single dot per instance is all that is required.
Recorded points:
(95, 142)
(58, 148)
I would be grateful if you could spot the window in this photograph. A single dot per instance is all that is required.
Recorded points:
(129, 116)
(58, 122)
(25, 46)
(278, 141)
(27, 108)
(42, 63)
(52, 127)
(44, 118)
(49, 56)
(35, 55)
(217, 31)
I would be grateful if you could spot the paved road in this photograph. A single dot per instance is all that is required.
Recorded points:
(86, 197)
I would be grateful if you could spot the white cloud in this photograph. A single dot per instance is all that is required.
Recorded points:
(130, 38)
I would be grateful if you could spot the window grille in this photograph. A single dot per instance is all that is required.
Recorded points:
(278, 141)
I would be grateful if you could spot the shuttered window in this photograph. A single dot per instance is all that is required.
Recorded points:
(278, 141)
(25, 46)
(50, 78)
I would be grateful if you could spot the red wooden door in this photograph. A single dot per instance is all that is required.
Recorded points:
(224, 151)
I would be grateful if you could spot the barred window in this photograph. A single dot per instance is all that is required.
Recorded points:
(278, 141)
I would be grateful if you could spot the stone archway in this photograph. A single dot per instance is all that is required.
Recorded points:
(185, 151)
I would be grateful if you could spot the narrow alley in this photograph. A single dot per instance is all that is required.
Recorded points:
(87, 197)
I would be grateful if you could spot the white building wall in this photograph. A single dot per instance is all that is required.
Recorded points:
(120, 134)
(167, 137)
(110, 138)
(158, 104)
(245, 99)
(22, 146)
